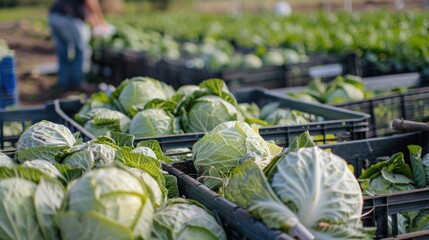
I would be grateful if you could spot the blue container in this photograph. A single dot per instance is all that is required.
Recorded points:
(8, 82)
(8, 74)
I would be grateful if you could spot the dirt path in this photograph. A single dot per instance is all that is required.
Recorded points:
(33, 48)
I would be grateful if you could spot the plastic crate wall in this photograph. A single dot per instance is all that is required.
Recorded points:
(363, 153)
(326, 67)
(412, 105)
(14, 122)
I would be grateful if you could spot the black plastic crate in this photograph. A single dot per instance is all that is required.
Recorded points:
(360, 154)
(111, 66)
(137, 63)
(412, 105)
(329, 124)
(22, 118)
(326, 67)
(237, 222)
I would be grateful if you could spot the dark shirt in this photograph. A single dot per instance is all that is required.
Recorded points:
(72, 8)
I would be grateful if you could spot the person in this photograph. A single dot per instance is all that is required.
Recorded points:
(71, 35)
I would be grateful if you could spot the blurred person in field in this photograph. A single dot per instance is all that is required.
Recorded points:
(71, 34)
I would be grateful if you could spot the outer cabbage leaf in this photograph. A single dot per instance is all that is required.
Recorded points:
(44, 166)
(181, 219)
(249, 189)
(90, 226)
(48, 199)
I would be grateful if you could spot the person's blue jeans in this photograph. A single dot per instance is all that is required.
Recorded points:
(71, 37)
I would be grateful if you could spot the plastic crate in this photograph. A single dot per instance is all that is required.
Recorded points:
(20, 119)
(412, 105)
(136, 63)
(237, 222)
(330, 124)
(376, 209)
(361, 154)
(107, 64)
(326, 67)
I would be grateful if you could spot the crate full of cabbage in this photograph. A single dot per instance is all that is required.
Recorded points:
(150, 109)
(56, 186)
(384, 98)
(306, 185)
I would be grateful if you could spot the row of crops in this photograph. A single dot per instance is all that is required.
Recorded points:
(392, 41)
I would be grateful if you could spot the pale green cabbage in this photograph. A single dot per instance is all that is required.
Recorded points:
(140, 90)
(308, 188)
(182, 219)
(29, 204)
(216, 153)
(207, 112)
(45, 140)
(44, 166)
(104, 120)
(110, 196)
(6, 161)
(152, 122)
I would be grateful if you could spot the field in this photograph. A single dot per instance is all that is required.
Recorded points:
(26, 31)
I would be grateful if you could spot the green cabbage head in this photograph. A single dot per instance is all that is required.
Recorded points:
(220, 150)
(309, 194)
(207, 112)
(138, 91)
(183, 219)
(45, 140)
(110, 203)
(152, 122)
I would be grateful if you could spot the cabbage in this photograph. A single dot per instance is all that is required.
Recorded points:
(6, 161)
(138, 91)
(207, 112)
(309, 189)
(251, 61)
(44, 166)
(105, 120)
(182, 219)
(273, 57)
(388, 176)
(45, 140)
(91, 154)
(290, 56)
(220, 150)
(152, 122)
(205, 109)
(111, 197)
(29, 200)
(156, 192)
